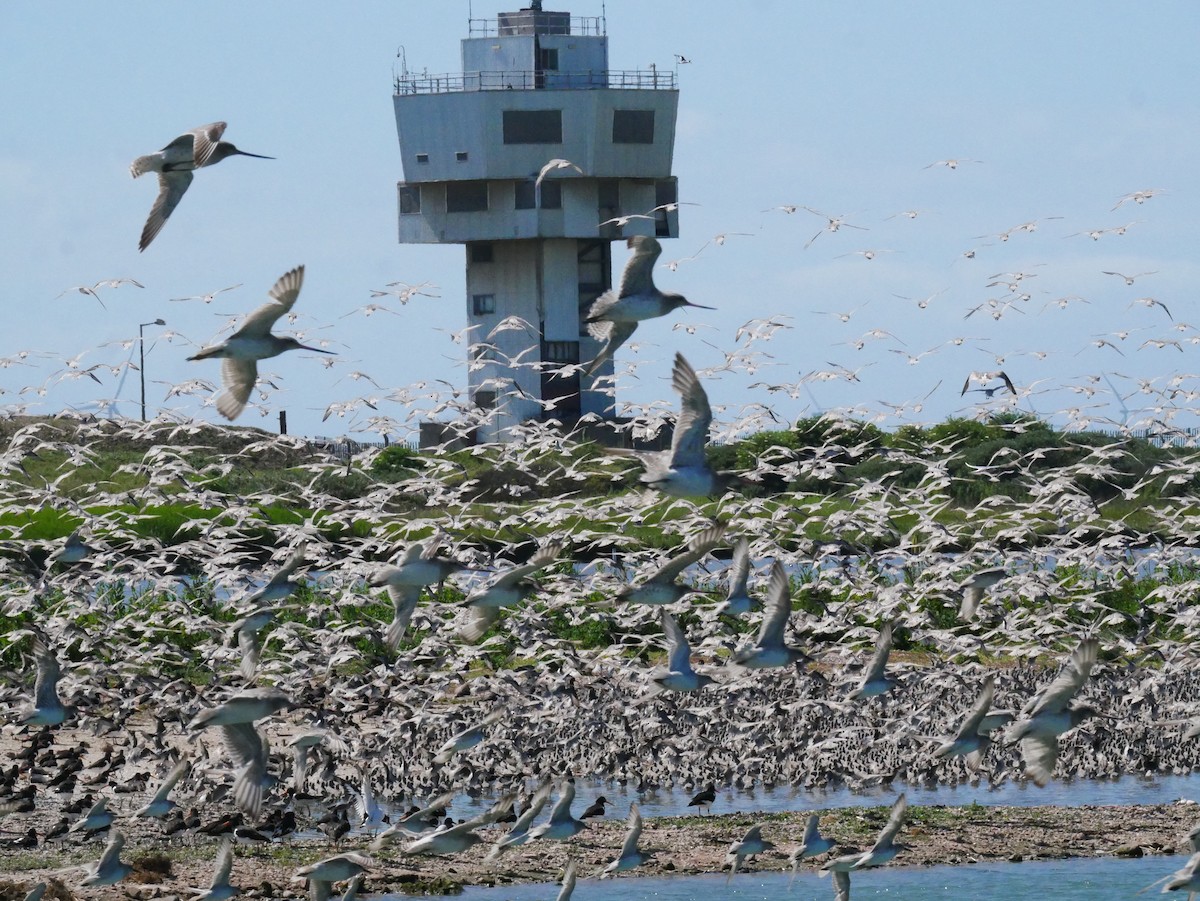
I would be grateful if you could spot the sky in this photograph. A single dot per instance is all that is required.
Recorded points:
(1058, 111)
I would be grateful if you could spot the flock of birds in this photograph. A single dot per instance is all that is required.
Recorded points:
(414, 707)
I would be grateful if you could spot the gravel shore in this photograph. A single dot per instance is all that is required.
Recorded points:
(682, 846)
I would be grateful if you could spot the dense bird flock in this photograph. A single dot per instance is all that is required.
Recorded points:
(258, 661)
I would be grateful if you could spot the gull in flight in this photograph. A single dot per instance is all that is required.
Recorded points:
(1054, 711)
(684, 471)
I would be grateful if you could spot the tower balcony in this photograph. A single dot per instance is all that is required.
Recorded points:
(535, 80)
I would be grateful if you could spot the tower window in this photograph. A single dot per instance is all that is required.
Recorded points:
(483, 304)
(633, 126)
(565, 352)
(460, 156)
(526, 195)
(422, 157)
(466, 196)
(533, 126)
(481, 251)
(548, 58)
(485, 399)
(410, 199)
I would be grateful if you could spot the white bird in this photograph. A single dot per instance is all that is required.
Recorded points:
(175, 163)
(519, 833)
(561, 824)
(253, 342)
(554, 166)
(660, 587)
(613, 317)
(876, 681)
(884, 849)
(109, 869)
(508, 588)
(324, 873)
(416, 568)
(679, 675)
(413, 823)
(684, 471)
(220, 889)
(46, 709)
(813, 844)
(1052, 712)
(973, 588)
(751, 843)
(973, 737)
(630, 857)
(737, 599)
(160, 805)
(469, 737)
(770, 648)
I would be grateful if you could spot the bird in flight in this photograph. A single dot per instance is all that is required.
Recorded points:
(254, 341)
(613, 317)
(175, 163)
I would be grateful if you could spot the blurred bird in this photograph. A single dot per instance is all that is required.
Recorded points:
(1052, 712)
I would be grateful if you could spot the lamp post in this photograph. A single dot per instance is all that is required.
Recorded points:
(142, 359)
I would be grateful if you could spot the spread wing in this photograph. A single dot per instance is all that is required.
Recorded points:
(678, 652)
(777, 608)
(634, 833)
(695, 416)
(283, 295)
(204, 142)
(970, 725)
(238, 377)
(638, 276)
(697, 548)
(888, 834)
(1058, 694)
(171, 188)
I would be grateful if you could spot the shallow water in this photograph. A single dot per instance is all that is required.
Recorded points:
(1061, 880)
(673, 802)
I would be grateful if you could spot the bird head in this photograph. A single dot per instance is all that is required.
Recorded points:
(293, 344)
(675, 301)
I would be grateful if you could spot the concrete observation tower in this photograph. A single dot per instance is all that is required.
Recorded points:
(535, 86)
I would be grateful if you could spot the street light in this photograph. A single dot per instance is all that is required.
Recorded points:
(142, 359)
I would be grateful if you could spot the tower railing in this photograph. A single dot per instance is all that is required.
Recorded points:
(530, 80)
(490, 28)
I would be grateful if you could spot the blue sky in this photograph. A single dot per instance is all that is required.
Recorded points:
(840, 107)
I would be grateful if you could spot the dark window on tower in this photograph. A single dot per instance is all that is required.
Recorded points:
(666, 192)
(466, 196)
(481, 251)
(483, 304)
(485, 399)
(551, 195)
(533, 126)
(525, 193)
(633, 126)
(410, 199)
(548, 58)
